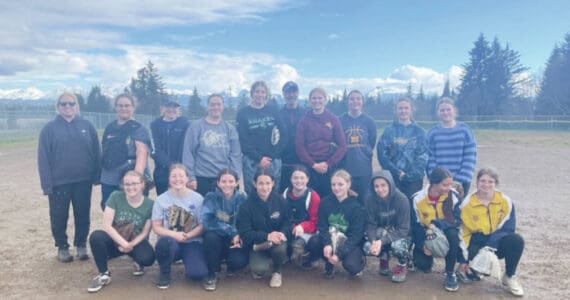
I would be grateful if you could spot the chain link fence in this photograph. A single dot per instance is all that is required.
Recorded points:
(26, 125)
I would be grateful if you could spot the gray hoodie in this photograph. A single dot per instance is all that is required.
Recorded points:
(387, 219)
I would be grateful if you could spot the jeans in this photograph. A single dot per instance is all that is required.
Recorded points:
(353, 262)
(218, 247)
(250, 168)
(168, 250)
(260, 262)
(104, 248)
(106, 190)
(79, 195)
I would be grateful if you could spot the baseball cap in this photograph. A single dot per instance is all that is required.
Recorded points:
(170, 103)
(290, 86)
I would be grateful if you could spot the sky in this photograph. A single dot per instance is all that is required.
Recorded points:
(50, 46)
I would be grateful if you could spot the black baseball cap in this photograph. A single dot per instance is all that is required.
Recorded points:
(290, 86)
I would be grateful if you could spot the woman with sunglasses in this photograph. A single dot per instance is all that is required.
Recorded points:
(68, 164)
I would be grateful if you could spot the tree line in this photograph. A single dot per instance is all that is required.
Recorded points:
(493, 83)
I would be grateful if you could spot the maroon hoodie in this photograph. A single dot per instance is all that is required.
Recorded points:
(320, 138)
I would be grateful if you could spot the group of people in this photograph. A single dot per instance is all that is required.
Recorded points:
(309, 190)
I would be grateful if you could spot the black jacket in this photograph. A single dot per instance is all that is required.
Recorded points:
(257, 218)
(391, 215)
(348, 216)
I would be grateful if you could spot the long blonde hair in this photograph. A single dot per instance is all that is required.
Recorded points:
(343, 174)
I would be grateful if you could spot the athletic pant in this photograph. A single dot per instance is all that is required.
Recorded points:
(104, 248)
(361, 185)
(217, 247)
(79, 195)
(353, 262)
(205, 185)
(424, 262)
(510, 248)
(321, 183)
(168, 250)
(260, 262)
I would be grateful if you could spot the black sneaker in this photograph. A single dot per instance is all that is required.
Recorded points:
(163, 281)
(450, 282)
(81, 253)
(329, 271)
(64, 256)
(210, 283)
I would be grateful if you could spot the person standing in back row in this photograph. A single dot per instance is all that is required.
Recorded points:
(291, 113)
(211, 144)
(452, 145)
(360, 133)
(262, 136)
(168, 132)
(68, 164)
(320, 142)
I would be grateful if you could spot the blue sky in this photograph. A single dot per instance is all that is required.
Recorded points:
(51, 46)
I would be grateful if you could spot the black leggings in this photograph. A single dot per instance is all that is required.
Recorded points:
(353, 262)
(510, 248)
(104, 248)
(425, 262)
(217, 247)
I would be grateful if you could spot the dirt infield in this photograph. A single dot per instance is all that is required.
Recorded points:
(534, 169)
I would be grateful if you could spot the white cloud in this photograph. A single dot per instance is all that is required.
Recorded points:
(333, 36)
(25, 94)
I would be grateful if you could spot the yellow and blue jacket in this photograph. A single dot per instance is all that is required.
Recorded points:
(443, 214)
(494, 221)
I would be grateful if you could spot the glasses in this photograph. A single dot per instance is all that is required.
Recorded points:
(123, 105)
(70, 104)
(129, 184)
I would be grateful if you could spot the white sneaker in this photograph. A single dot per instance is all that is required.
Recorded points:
(99, 281)
(138, 270)
(275, 281)
(513, 285)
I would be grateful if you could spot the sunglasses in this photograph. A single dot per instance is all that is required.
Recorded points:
(62, 104)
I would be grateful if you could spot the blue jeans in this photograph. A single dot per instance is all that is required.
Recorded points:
(250, 168)
(168, 250)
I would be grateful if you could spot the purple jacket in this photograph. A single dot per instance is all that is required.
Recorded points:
(320, 138)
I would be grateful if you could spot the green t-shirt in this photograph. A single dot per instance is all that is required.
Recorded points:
(125, 212)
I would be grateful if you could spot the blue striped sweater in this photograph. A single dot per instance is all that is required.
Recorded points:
(454, 149)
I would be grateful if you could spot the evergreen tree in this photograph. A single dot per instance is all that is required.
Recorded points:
(80, 100)
(148, 88)
(421, 96)
(97, 102)
(243, 101)
(554, 95)
(410, 91)
(490, 80)
(195, 108)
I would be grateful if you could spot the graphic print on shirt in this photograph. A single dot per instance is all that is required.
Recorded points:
(338, 221)
(355, 136)
(214, 139)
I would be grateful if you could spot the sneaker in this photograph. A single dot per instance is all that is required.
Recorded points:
(450, 283)
(256, 276)
(163, 281)
(384, 267)
(81, 253)
(329, 271)
(399, 273)
(411, 266)
(64, 256)
(463, 277)
(473, 275)
(210, 282)
(138, 270)
(275, 281)
(513, 285)
(359, 274)
(99, 282)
